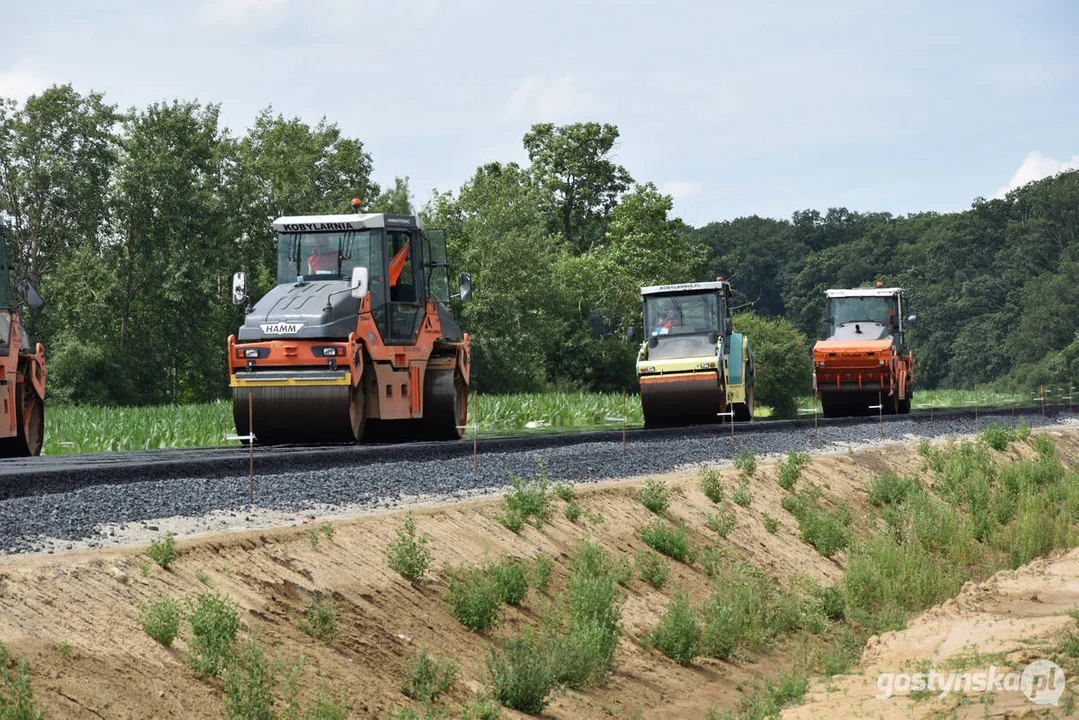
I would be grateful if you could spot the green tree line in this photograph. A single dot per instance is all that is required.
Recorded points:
(994, 288)
(131, 222)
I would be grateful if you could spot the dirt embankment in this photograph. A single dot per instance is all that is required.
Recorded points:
(74, 616)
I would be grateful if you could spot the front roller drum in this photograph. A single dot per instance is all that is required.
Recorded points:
(688, 401)
(299, 414)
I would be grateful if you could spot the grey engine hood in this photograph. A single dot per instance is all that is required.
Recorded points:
(306, 303)
(869, 331)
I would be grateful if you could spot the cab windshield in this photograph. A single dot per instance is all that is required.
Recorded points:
(861, 309)
(681, 314)
(326, 255)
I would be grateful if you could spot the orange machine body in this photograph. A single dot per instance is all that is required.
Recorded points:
(865, 361)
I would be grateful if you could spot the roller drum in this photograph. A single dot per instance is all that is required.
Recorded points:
(681, 402)
(295, 414)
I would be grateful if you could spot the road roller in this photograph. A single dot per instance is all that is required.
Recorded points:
(865, 362)
(693, 368)
(22, 367)
(356, 339)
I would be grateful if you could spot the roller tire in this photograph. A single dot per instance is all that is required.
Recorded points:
(30, 425)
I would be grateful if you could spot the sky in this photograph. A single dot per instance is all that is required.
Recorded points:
(733, 108)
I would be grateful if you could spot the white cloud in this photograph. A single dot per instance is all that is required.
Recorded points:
(240, 14)
(22, 81)
(1036, 166)
(539, 99)
(682, 189)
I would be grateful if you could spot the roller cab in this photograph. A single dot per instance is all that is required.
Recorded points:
(357, 329)
(692, 366)
(864, 362)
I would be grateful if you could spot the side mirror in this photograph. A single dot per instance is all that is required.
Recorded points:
(465, 281)
(359, 282)
(912, 321)
(631, 333)
(239, 288)
(30, 295)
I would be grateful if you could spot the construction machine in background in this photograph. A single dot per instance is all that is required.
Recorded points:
(693, 367)
(22, 368)
(357, 332)
(865, 362)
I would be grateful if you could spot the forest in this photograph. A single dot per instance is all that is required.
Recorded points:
(131, 222)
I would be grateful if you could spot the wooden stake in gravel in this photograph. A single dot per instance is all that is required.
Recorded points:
(251, 446)
(816, 436)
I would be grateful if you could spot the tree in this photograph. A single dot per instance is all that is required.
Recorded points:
(57, 155)
(172, 251)
(784, 368)
(496, 232)
(572, 164)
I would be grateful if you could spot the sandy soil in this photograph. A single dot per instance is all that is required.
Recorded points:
(74, 615)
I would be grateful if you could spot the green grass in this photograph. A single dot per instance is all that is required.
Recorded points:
(520, 676)
(160, 619)
(742, 495)
(678, 634)
(670, 540)
(711, 485)
(584, 627)
(250, 678)
(16, 693)
(790, 470)
(652, 569)
(409, 555)
(320, 621)
(214, 621)
(655, 495)
(826, 530)
(163, 552)
(722, 521)
(511, 579)
(474, 598)
(528, 500)
(107, 429)
(746, 462)
(541, 573)
(429, 676)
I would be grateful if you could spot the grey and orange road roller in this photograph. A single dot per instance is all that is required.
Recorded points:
(865, 362)
(357, 332)
(693, 368)
(22, 367)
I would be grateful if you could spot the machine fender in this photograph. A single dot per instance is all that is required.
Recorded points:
(464, 358)
(736, 363)
(357, 359)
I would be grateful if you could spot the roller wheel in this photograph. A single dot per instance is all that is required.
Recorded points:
(444, 407)
(311, 414)
(30, 425)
